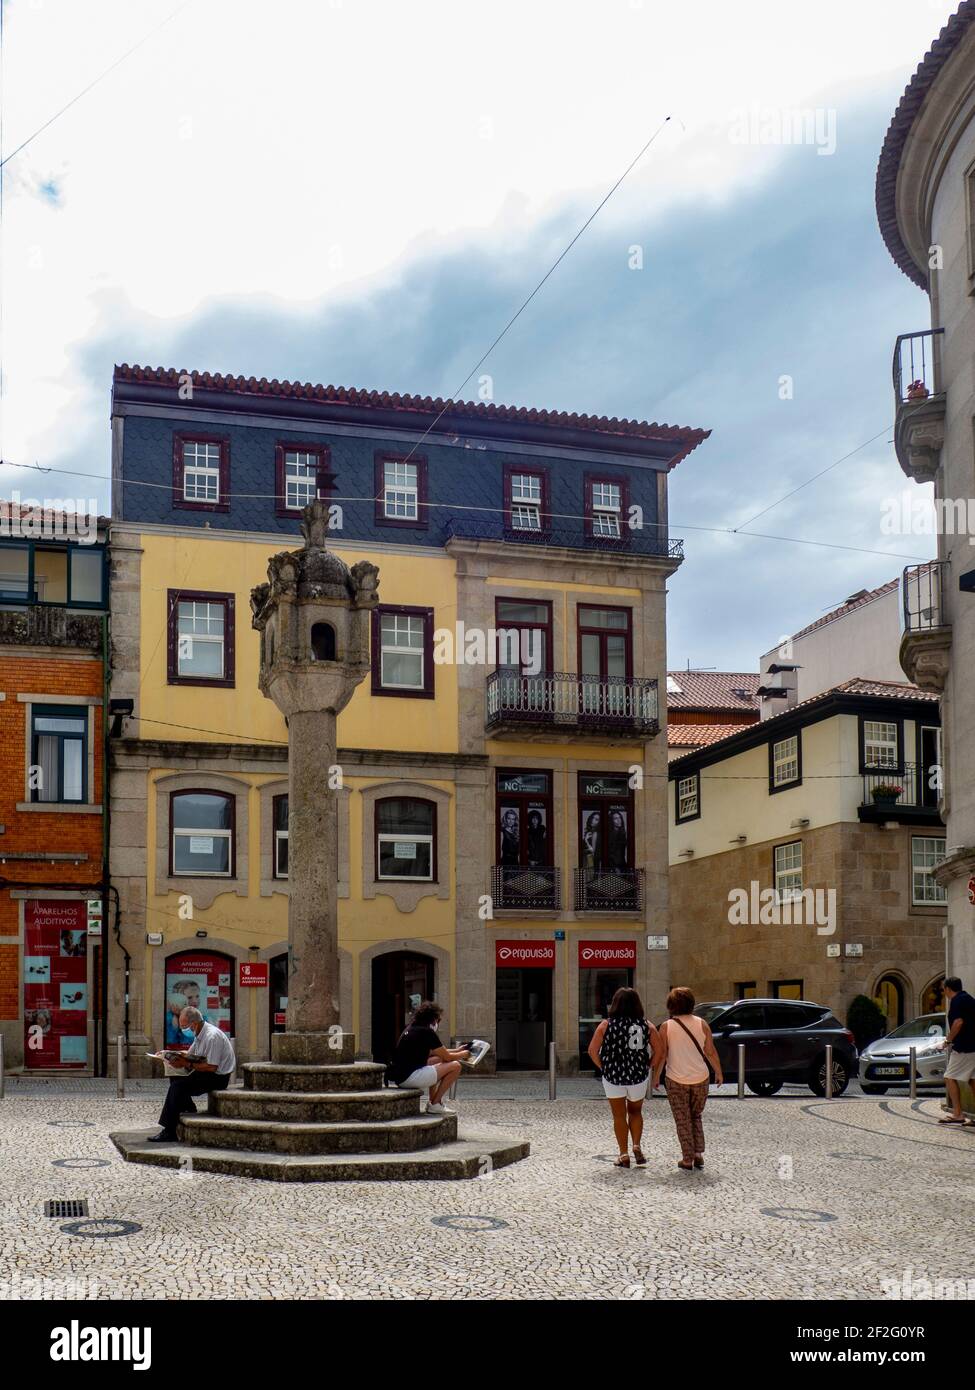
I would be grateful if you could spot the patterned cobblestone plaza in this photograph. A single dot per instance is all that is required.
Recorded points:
(799, 1199)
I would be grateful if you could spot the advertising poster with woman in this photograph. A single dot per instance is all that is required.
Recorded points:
(195, 980)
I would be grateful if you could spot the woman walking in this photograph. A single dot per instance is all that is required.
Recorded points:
(688, 1053)
(624, 1047)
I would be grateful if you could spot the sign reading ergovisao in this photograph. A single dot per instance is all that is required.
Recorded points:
(594, 955)
(514, 955)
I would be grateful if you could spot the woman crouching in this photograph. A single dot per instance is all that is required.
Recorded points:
(624, 1047)
(689, 1054)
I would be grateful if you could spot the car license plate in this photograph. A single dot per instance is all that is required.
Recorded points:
(891, 1071)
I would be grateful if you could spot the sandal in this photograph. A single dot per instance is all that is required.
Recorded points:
(639, 1155)
(623, 1161)
(952, 1120)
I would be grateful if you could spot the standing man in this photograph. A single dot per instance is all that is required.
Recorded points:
(209, 1065)
(961, 1039)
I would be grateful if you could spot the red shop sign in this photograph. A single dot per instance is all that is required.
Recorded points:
(253, 973)
(593, 954)
(518, 954)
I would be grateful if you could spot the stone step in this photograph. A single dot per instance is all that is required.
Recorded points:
(287, 1076)
(309, 1107)
(471, 1156)
(385, 1136)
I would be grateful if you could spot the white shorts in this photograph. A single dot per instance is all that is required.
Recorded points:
(637, 1092)
(423, 1078)
(961, 1066)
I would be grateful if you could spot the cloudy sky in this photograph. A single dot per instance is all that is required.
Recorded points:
(361, 192)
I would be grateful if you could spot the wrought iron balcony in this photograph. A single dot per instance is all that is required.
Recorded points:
(926, 640)
(609, 890)
(919, 403)
(645, 541)
(907, 795)
(528, 888)
(559, 700)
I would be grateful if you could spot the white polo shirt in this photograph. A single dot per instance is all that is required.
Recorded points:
(213, 1046)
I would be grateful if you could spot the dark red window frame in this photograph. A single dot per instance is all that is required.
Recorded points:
(603, 802)
(324, 476)
(422, 513)
(510, 469)
(522, 799)
(623, 483)
(173, 599)
(503, 625)
(434, 867)
(178, 499)
(427, 693)
(205, 791)
(583, 629)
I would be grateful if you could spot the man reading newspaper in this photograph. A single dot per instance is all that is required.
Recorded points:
(207, 1066)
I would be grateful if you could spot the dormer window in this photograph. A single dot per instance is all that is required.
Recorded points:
(201, 473)
(526, 500)
(301, 475)
(606, 510)
(400, 490)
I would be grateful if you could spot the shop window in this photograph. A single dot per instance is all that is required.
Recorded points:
(198, 980)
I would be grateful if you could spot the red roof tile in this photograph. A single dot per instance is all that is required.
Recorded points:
(686, 437)
(713, 690)
(899, 130)
(700, 735)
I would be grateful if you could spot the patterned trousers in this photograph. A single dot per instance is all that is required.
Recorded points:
(687, 1106)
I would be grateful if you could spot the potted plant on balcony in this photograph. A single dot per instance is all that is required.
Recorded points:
(886, 793)
(917, 391)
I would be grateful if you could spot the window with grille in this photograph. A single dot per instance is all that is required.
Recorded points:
(300, 478)
(607, 508)
(526, 501)
(201, 472)
(788, 871)
(401, 490)
(405, 831)
(880, 746)
(402, 652)
(927, 853)
(688, 794)
(785, 761)
(201, 629)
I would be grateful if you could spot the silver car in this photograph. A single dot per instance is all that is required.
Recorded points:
(886, 1062)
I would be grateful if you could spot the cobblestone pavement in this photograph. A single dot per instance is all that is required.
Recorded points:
(799, 1198)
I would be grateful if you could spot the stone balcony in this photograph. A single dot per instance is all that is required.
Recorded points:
(926, 640)
(919, 403)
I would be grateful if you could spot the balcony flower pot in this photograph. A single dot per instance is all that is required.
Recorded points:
(917, 391)
(886, 794)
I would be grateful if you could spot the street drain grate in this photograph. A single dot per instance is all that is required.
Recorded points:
(64, 1208)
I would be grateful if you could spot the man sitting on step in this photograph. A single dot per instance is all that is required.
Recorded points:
(209, 1065)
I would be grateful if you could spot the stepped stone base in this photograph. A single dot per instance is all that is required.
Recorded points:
(470, 1156)
(313, 1114)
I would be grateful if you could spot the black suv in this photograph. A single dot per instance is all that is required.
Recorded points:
(785, 1040)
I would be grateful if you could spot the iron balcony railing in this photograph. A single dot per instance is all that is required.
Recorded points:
(646, 540)
(911, 786)
(560, 698)
(609, 890)
(917, 366)
(923, 595)
(527, 887)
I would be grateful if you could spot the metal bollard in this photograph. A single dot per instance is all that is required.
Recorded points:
(829, 1071)
(912, 1053)
(120, 1065)
(551, 1071)
(1, 1066)
(741, 1071)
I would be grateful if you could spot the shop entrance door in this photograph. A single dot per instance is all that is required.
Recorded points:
(400, 980)
(56, 997)
(523, 1018)
(596, 990)
(278, 992)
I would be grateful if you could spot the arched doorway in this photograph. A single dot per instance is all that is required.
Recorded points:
(400, 979)
(933, 997)
(890, 997)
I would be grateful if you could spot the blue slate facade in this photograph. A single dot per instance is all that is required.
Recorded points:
(465, 481)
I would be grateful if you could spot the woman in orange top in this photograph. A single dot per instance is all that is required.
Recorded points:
(688, 1048)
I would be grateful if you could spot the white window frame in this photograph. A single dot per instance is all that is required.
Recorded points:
(205, 470)
(606, 513)
(526, 501)
(294, 461)
(384, 839)
(395, 649)
(199, 832)
(924, 848)
(788, 874)
(185, 640)
(401, 493)
(880, 743)
(785, 766)
(688, 802)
